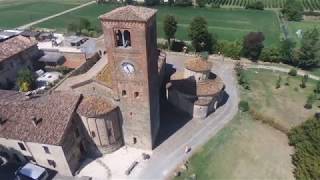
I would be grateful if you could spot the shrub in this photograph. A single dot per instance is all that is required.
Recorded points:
(270, 55)
(63, 70)
(287, 81)
(230, 49)
(243, 81)
(304, 80)
(255, 5)
(201, 3)
(278, 84)
(293, 72)
(317, 89)
(305, 139)
(244, 106)
(183, 3)
(238, 68)
(310, 100)
(177, 46)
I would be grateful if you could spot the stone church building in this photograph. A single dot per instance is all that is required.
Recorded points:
(120, 106)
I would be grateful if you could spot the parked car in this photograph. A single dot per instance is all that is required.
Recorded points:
(31, 172)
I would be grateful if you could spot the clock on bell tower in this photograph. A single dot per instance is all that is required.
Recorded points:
(131, 44)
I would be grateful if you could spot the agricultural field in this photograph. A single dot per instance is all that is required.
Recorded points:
(15, 13)
(247, 148)
(307, 4)
(227, 24)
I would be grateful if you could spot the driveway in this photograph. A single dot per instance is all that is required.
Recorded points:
(194, 133)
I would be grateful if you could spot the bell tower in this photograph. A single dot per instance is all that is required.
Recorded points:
(130, 38)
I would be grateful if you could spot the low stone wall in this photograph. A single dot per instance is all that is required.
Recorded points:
(87, 65)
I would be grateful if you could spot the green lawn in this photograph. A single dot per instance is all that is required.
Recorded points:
(303, 25)
(14, 13)
(248, 149)
(227, 24)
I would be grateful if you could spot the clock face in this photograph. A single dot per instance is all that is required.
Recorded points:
(128, 68)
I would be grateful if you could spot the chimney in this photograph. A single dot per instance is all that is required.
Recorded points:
(36, 121)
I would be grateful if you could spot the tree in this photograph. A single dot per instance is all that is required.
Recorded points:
(309, 52)
(270, 54)
(230, 49)
(201, 39)
(170, 26)
(253, 45)
(151, 2)
(84, 24)
(26, 80)
(292, 10)
(73, 27)
(317, 89)
(201, 3)
(255, 5)
(286, 51)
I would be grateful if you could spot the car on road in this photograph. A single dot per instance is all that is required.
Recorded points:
(31, 172)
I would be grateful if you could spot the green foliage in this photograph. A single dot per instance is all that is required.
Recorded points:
(270, 55)
(304, 80)
(293, 72)
(286, 51)
(63, 70)
(306, 158)
(26, 80)
(183, 3)
(202, 3)
(317, 89)
(309, 52)
(230, 49)
(73, 27)
(84, 23)
(310, 100)
(292, 10)
(238, 68)
(170, 26)
(278, 84)
(177, 46)
(244, 106)
(151, 2)
(255, 5)
(253, 45)
(243, 81)
(200, 37)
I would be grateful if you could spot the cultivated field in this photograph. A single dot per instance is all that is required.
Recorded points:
(14, 13)
(307, 4)
(227, 24)
(248, 149)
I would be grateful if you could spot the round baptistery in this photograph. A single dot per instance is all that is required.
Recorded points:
(102, 121)
(197, 68)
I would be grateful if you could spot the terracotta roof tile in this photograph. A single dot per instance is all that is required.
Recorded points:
(54, 109)
(14, 46)
(130, 13)
(93, 106)
(198, 65)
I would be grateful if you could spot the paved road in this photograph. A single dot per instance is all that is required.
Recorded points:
(168, 155)
(55, 15)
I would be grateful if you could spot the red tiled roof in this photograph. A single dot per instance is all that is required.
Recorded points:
(198, 65)
(54, 109)
(129, 13)
(93, 106)
(14, 46)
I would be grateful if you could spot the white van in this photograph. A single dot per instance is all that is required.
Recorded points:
(31, 172)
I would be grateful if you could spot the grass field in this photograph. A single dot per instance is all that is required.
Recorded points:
(303, 25)
(14, 13)
(227, 24)
(248, 149)
(244, 149)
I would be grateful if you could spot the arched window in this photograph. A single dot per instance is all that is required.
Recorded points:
(119, 39)
(127, 38)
